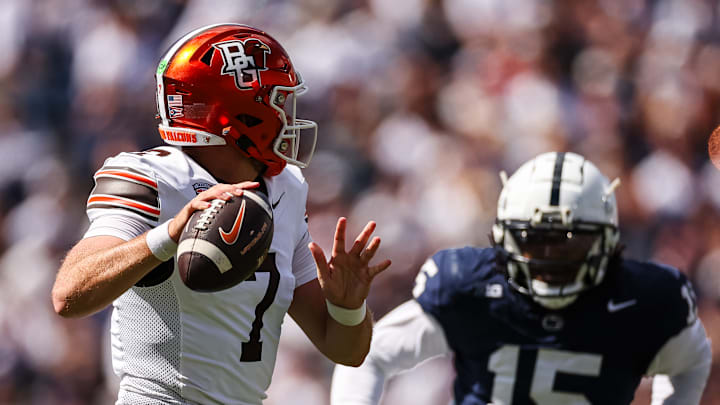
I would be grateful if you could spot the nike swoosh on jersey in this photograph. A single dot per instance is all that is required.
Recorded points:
(614, 307)
(275, 204)
(232, 236)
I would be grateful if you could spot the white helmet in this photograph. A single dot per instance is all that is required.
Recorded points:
(556, 227)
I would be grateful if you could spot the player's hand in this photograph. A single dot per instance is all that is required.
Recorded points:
(202, 201)
(345, 279)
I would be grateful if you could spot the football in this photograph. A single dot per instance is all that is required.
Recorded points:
(224, 244)
(714, 147)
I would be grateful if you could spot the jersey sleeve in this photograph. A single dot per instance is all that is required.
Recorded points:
(121, 226)
(430, 288)
(683, 357)
(672, 300)
(682, 352)
(685, 344)
(682, 367)
(125, 200)
(303, 263)
(402, 339)
(442, 277)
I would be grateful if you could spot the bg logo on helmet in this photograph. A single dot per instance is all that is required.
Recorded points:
(244, 60)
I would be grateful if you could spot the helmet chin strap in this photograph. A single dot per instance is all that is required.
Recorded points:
(547, 302)
(544, 294)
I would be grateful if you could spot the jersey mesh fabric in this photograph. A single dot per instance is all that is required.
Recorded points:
(174, 346)
(131, 398)
(146, 332)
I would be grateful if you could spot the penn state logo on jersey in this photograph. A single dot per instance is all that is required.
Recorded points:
(244, 60)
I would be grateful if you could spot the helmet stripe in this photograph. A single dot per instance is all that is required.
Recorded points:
(165, 61)
(557, 179)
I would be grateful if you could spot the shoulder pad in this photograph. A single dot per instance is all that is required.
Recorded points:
(451, 272)
(663, 289)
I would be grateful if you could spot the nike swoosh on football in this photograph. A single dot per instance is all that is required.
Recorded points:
(614, 307)
(232, 236)
(275, 204)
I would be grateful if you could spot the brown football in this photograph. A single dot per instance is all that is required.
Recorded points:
(224, 244)
(714, 147)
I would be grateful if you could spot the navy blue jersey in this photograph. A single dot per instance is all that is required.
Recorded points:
(595, 351)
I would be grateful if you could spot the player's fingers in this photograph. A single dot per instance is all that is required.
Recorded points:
(362, 239)
(219, 191)
(320, 261)
(377, 269)
(227, 191)
(368, 253)
(197, 205)
(192, 206)
(245, 185)
(339, 242)
(178, 223)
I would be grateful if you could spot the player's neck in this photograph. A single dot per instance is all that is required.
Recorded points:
(224, 163)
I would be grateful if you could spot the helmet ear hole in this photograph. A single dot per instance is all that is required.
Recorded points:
(248, 120)
(245, 143)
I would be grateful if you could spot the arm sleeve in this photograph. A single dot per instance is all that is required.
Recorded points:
(402, 339)
(682, 367)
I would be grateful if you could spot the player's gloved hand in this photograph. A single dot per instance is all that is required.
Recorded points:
(345, 279)
(201, 201)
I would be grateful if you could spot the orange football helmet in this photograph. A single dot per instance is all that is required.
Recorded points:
(234, 84)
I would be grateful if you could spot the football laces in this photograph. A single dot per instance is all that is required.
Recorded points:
(208, 215)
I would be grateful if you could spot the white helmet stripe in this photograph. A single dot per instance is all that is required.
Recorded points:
(160, 95)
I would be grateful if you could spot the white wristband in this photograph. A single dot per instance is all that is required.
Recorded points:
(344, 316)
(160, 243)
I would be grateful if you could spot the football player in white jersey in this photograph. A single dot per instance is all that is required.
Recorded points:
(226, 100)
(552, 314)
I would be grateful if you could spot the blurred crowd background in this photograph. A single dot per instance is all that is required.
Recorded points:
(420, 104)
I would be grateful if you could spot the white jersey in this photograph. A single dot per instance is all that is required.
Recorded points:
(177, 346)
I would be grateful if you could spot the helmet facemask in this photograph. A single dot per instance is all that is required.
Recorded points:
(288, 144)
(554, 263)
